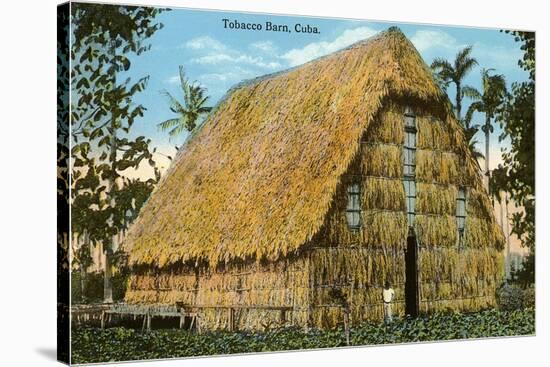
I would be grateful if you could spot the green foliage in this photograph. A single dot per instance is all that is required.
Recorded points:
(91, 345)
(529, 297)
(190, 111)
(104, 201)
(517, 117)
(487, 102)
(446, 72)
(509, 297)
(93, 289)
(525, 275)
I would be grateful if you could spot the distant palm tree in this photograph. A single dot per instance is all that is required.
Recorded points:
(439, 80)
(470, 131)
(487, 102)
(190, 111)
(445, 73)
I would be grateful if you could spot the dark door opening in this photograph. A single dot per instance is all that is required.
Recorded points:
(411, 273)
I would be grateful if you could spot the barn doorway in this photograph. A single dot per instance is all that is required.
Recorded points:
(411, 273)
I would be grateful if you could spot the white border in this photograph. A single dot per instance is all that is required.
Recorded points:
(28, 180)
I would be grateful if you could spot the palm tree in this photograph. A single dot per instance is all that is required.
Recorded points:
(470, 131)
(499, 189)
(190, 111)
(445, 73)
(487, 102)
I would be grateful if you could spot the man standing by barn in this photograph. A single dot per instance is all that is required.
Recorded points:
(387, 296)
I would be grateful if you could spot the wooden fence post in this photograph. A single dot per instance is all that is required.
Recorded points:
(231, 319)
(346, 325)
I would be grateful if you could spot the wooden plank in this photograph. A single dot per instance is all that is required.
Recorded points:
(248, 307)
(193, 318)
(231, 319)
(144, 323)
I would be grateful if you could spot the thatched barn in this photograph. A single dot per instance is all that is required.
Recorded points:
(338, 174)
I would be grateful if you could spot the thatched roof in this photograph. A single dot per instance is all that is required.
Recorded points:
(258, 179)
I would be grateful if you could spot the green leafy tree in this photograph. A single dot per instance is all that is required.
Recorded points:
(455, 72)
(103, 113)
(487, 102)
(517, 118)
(87, 210)
(63, 153)
(189, 111)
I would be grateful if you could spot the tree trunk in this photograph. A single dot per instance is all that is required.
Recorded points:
(507, 233)
(501, 204)
(487, 136)
(107, 285)
(83, 270)
(506, 257)
(458, 102)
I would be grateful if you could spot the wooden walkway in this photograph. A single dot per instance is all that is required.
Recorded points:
(105, 313)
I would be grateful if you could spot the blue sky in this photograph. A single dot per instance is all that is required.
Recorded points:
(219, 58)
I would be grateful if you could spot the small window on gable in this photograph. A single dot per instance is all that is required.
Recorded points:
(461, 214)
(353, 209)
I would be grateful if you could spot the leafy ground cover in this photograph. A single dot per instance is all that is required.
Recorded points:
(121, 344)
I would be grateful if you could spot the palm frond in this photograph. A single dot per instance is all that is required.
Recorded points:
(175, 106)
(475, 106)
(443, 69)
(464, 63)
(463, 55)
(177, 130)
(204, 110)
(471, 92)
(190, 111)
(168, 124)
(183, 79)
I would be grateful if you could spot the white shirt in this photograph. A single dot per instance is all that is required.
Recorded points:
(388, 294)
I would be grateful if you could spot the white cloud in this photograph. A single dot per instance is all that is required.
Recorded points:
(173, 79)
(264, 46)
(235, 75)
(212, 59)
(314, 50)
(425, 39)
(213, 52)
(237, 58)
(497, 56)
(205, 43)
(215, 77)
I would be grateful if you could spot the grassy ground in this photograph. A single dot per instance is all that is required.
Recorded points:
(120, 344)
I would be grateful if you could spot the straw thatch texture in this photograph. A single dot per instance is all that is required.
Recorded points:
(359, 261)
(284, 283)
(253, 211)
(258, 179)
(359, 273)
(459, 280)
(453, 276)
